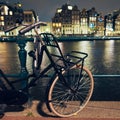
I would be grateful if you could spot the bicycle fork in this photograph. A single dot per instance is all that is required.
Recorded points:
(80, 66)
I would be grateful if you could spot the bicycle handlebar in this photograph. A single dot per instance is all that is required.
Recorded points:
(30, 27)
(26, 28)
(11, 28)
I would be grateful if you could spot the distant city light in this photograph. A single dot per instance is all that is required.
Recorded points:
(92, 25)
(100, 19)
(70, 7)
(10, 12)
(59, 10)
(6, 10)
(19, 5)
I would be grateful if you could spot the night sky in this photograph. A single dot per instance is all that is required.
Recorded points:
(47, 8)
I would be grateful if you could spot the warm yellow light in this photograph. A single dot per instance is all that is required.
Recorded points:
(53, 24)
(70, 7)
(10, 12)
(59, 24)
(59, 10)
(3, 24)
(6, 10)
(19, 5)
(56, 24)
(1, 18)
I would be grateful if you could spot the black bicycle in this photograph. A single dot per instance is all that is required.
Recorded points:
(70, 86)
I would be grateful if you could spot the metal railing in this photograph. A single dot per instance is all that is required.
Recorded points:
(22, 53)
(106, 76)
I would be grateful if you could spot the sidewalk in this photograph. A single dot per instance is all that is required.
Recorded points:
(95, 110)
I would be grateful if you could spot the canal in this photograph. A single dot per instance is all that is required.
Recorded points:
(103, 58)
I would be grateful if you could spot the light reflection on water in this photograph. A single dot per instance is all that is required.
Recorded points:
(103, 58)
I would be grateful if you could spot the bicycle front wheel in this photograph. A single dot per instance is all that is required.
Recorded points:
(69, 96)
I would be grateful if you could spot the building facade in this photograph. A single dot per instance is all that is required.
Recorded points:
(117, 25)
(84, 22)
(100, 28)
(69, 21)
(11, 15)
(66, 20)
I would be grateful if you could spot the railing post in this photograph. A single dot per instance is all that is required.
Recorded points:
(22, 56)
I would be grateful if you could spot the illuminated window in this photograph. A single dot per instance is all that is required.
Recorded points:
(19, 5)
(2, 13)
(59, 10)
(92, 25)
(92, 18)
(53, 24)
(3, 23)
(56, 24)
(2, 18)
(10, 12)
(59, 24)
(70, 7)
(6, 10)
(83, 20)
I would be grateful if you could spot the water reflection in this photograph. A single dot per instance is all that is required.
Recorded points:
(9, 57)
(109, 53)
(103, 58)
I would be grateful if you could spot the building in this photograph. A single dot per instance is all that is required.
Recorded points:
(6, 17)
(69, 21)
(116, 22)
(66, 20)
(29, 18)
(75, 20)
(11, 15)
(100, 28)
(109, 25)
(47, 28)
(92, 20)
(84, 22)
(117, 25)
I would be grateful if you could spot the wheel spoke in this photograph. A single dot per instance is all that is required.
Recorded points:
(69, 97)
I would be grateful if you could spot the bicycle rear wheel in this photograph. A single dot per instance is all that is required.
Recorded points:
(67, 98)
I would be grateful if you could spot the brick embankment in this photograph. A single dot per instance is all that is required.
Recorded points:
(95, 110)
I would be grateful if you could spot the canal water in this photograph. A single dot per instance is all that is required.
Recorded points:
(103, 58)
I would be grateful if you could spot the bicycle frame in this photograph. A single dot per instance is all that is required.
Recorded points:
(42, 72)
(58, 69)
(51, 65)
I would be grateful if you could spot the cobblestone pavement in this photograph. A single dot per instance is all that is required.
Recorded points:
(95, 110)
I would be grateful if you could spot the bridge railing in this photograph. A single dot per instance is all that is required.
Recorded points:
(22, 54)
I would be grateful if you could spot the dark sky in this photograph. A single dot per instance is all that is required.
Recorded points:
(47, 8)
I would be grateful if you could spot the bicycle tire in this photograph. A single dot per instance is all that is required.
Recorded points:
(65, 102)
